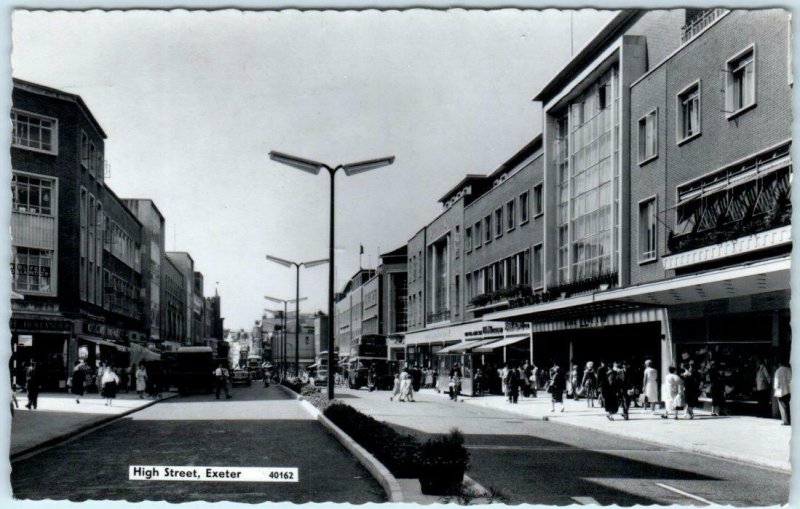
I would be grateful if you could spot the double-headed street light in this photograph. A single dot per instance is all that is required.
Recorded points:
(314, 167)
(296, 265)
(285, 303)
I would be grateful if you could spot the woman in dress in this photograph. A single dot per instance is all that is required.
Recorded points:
(109, 382)
(556, 388)
(406, 389)
(650, 386)
(589, 383)
(572, 384)
(141, 380)
(717, 390)
(78, 380)
(611, 392)
(673, 393)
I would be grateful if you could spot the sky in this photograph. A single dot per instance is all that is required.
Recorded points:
(192, 103)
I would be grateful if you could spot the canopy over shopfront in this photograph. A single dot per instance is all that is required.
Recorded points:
(463, 346)
(103, 342)
(492, 344)
(142, 354)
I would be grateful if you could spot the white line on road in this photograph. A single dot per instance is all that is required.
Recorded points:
(585, 500)
(685, 494)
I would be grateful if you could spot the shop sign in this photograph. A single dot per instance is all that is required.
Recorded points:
(586, 322)
(517, 326)
(104, 331)
(25, 340)
(488, 329)
(39, 325)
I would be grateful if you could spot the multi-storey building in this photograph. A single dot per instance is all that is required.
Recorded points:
(649, 220)
(184, 262)
(199, 331)
(173, 306)
(76, 270)
(152, 253)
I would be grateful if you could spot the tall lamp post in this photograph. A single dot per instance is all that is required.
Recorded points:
(296, 265)
(314, 168)
(285, 303)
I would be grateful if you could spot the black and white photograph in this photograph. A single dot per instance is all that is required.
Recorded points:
(416, 254)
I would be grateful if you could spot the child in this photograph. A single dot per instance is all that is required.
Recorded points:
(396, 389)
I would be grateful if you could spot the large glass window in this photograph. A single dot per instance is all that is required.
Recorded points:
(32, 194)
(647, 230)
(34, 132)
(31, 270)
(586, 147)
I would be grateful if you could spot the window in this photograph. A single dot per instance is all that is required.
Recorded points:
(478, 238)
(84, 150)
(32, 194)
(487, 226)
(647, 230)
(468, 240)
(31, 270)
(689, 112)
(524, 208)
(510, 217)
(538, 199)
(457, 296)
(740, 85)
(648, 137)
(457, 241)
(83, 219)
(92, 159)
(498, 222)
(34, 132)
(538, 267)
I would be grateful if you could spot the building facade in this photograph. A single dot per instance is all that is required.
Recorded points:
(184, 262)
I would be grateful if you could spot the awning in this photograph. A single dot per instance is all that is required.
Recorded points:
(463, 346)
(140, 353)
(101, 341)
(498, 344)
(315, 365)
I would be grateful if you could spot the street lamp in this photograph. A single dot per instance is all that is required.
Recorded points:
(296, 265)
(285, 303)
(314, 167)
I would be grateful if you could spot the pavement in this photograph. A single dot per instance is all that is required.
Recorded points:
(767, 443)
(516, 453)
(258, 427)
(58, 417)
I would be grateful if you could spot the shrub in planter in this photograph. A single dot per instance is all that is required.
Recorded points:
(308, 390)
(443, 461)
(398, 452)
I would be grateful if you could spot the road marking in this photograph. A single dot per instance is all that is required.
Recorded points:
(585, 500)
(685, 494)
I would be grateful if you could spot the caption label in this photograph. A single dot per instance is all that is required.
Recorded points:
(225, 474)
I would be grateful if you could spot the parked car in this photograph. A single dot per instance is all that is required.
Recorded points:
(241, 377)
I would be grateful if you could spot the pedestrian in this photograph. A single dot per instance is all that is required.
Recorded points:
(763, 386)
(534, 379)
(454, 385)
(717, 390)
(141, 380)
(573, 383)
(674, 398)
(512, 384)
(98, 378)
(782, 387)
(109, 383)
(602, 379)
(479, 382)
(32, 385)
(429, 378)
(78, 380)
(416, 378)
(589, 384)
(691, 385)
(221, 375)
(624, 390)
(396, 388)
(503, 379)
(124, 378)
(650, 386)
(556, 387)
(525, 379)
(371, 379)
(610, 390)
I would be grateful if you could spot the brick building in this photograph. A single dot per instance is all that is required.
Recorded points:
(173, 306)
(76, 266)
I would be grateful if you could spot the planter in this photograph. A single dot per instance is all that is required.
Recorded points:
(441, 481)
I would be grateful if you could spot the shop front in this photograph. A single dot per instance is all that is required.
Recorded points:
(45, 340)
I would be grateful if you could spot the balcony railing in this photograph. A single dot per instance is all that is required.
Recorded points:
(439, 316)
(698, 24)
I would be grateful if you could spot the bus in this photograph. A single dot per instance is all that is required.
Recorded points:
(370, 352)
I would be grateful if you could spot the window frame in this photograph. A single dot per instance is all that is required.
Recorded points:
(468, 239)
(498, 219)
(640, 253)
(487, 225)
(540, 247)
(511, 217)
(730, 113)
(680, 136)
(524, 211)
(54, 135)
(644, 158)
(538, 203)
(478, 232)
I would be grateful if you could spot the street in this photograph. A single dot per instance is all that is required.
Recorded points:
(258, 427)
(538, 462)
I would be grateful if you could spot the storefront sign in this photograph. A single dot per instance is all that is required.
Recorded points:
(585, 322)
(517, 326)
(104, 331)
(40, 325)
